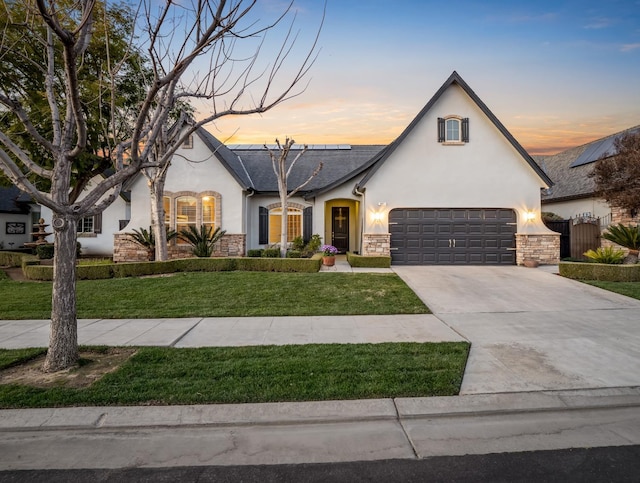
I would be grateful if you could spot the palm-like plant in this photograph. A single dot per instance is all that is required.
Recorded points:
(625, 236)
(147, 240)
(202, 240)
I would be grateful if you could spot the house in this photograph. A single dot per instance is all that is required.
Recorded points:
(573, 193)
(454, 188)
(18, 214)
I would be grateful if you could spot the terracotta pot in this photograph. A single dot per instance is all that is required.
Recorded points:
(531, 263)
(329, 261)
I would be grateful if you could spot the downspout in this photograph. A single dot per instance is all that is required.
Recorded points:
(247, 216)
(357, 192)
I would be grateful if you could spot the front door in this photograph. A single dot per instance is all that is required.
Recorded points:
(340, 228)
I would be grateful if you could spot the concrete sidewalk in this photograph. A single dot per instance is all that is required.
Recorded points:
(236, 331)
(323, 431)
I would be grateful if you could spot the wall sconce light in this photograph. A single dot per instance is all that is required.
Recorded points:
(530, 215)
(377, 217)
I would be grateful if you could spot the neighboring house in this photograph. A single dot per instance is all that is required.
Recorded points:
(18, 214)
(454, 188)
(573, 193)
(95, 233)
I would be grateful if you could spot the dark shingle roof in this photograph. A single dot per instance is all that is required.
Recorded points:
(338, 165)
(572, 182)
(13, 200)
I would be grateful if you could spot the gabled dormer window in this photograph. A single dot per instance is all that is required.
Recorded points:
(453, 130)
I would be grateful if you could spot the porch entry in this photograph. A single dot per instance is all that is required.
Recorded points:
(340, 228)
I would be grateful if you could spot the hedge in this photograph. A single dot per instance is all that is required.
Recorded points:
(14, 259)
(34, 271)
(368, 261)
(600, 271)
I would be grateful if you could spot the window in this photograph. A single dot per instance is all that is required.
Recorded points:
(453, 130)
(185, 212)
(166, 206)
(90, 224)
(188, 142)
(294, 224)
(185, 209)
(209, 211)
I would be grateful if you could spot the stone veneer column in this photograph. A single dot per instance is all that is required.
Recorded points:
(545, 249)
(376, 244)
(126, 250)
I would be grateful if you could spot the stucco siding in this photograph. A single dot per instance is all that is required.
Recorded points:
(486, 172)
(569, 209)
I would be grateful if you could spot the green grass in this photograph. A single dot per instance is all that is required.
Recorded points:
(630, 289)
(220, 294)
(162, 376)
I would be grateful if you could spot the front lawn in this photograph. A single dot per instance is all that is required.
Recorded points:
(630, 289)
(161, 376)
(220, 294)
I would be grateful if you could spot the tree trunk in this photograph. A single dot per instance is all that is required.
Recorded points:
(157, 218)
(283, 229)
(63, 336)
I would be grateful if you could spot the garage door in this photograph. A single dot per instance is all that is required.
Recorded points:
(436, 236)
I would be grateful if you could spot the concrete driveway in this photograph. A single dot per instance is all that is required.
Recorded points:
(531, 329)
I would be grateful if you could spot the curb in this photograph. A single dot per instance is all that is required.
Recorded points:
(315, 412)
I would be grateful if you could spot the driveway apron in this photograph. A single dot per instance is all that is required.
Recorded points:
(533, 330)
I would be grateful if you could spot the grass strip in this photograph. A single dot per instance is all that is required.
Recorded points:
(630, 289)
(163, 376)
(220, 294)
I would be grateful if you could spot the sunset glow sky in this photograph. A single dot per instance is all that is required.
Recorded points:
(556, 73)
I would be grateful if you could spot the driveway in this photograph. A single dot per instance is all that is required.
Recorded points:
(531, 329)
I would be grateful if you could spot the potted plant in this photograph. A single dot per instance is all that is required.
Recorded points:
(329, 253)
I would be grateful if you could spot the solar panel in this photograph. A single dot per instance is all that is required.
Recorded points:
(314, 147)
(598, 149)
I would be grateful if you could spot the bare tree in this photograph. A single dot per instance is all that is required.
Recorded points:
(282, 172)
(190, 49)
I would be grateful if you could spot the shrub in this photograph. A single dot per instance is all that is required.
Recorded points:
(600, 271)
(38, 272)
(13, 259)
(368, 261)
(202, 240)
(271, 253)
(625, 236)
(255, 253)
(608, 255)
(307, 265)
(313, 245)
(294, 254)
(45, 251)
(297, 244)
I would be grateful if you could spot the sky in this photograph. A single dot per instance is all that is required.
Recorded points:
(557, 74)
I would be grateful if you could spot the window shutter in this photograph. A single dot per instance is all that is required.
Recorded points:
(97, 223)
(465, 130)
(263, 226)
(441, 130)
(307, 224)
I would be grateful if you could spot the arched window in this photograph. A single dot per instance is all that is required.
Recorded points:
(453, 130)
(293, 220)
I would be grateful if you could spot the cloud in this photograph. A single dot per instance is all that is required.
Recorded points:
(599, 23)
(629, 47)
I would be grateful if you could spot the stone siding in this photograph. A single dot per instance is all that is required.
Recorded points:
(376, 244)
(544, 249)
(125, 250)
